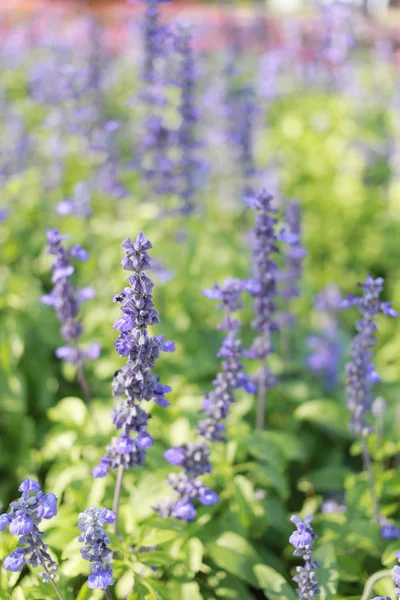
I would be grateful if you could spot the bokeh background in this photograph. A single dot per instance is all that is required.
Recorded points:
(301, 98)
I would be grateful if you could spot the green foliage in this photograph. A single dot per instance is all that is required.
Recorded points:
(237, 550)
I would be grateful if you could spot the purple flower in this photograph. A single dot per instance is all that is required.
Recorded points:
(47, 506)
(396, 576)
(101, 470)
(294, 257)
(208, 497)
(5, 520)
(100, 580)
(190, 168)
(78, 204)
(265, 276)
(175, 456)
(66, 298)
(29, 485)
(326, 347)
(23, 519)
(360, 371)
(194, 457)
(185, 511)
(302, 540)
(96, 549)
(14, 561)
(135, 380)
(21, 525)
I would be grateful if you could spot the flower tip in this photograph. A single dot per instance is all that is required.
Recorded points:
(29, 485)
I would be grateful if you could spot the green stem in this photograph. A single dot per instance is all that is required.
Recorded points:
(369, 586)
(371, 478)
(261, 400)
(108, 595)
(53, 583)
(117, 495)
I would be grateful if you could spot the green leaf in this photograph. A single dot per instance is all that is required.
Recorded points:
(71, 412)
(158, 531)
(389, 554)
(157, 558)
(125, 584)
(330, 415)
(244, 496)
(274, 586)
(191, 591)
(327, 573)
(236, 555)
(263, 447)
(195, 554)
(84, 593)
(268, 476)
(326, 479)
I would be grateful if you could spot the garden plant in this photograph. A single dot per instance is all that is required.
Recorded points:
(199, 285)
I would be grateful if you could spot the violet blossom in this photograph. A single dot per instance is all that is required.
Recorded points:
(302, 540)
(193, 458)
(135, 380)
(66, 299)
(23, 520)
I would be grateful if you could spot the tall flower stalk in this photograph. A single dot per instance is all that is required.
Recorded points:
(361, 373)
(263, 288)
(189, 165)
(96, 549)
(325, 345)
(135, 381)
(291, 276)
(66, 300)
(157, 137)
(194, 457)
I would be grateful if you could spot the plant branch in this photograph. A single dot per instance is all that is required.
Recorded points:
(117, 495)
(371, 479)
(369, 586)
(107, 593)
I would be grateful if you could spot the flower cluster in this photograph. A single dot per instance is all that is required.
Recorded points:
(158, 137)
(302, 540)
(193, 458)
(189, 165)
(232, 377)
(66, 299)
(135, 380)
(263, 287)
(23, 520)
(96, 550)
(294, 256)
(240, 110)
(360, 371)
(326, 348)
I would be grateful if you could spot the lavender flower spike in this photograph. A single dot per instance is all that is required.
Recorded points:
(23, 520)
(193, 458)
(66, 299)
(96, 550)
(360, 371)
(134, 381)
(189, 165)
(294, 256)
(263, 288)
(302, 540)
